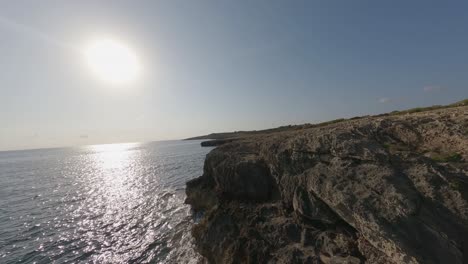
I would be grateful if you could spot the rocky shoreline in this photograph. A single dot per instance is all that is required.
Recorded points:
(388, 189)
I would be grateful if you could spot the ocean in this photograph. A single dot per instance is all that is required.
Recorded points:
(113, 203)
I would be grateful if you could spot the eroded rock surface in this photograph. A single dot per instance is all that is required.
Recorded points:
(388, 189)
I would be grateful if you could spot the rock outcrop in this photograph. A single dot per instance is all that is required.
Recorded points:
(390, 189)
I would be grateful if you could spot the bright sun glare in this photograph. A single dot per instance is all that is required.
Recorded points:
(112, 61)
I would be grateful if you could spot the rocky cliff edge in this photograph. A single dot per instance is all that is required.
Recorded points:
(391, 189)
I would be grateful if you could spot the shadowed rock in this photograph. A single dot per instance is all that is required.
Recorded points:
(216, 142)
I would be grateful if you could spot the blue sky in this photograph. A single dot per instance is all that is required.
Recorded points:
(212, 66)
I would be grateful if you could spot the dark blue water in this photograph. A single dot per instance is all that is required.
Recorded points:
(116, 203)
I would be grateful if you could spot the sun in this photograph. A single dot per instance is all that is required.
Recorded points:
(112, 61)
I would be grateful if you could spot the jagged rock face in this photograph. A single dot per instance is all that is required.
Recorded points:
(375, 190)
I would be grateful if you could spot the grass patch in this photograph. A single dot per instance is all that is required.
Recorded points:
(455, 185)
(418, 110)
(396, 147)
(461, 103)
(308, 125)
(453, 157)
(429, 108)
(339, 120)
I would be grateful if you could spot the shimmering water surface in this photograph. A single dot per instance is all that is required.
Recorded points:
(116, 203)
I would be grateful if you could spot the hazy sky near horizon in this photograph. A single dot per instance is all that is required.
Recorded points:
(212, 66)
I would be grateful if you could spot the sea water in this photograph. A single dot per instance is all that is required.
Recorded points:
(114, 203)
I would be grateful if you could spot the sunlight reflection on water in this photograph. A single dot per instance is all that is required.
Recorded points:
(105, 203)
(115, 169)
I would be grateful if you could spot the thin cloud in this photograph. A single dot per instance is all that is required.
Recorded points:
(384, 100)
(431, 88)
(33, 33)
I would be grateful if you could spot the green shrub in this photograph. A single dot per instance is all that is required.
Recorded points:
(454, 157)
(461, 103)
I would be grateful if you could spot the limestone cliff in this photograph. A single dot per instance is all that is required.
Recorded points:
(389, 189)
